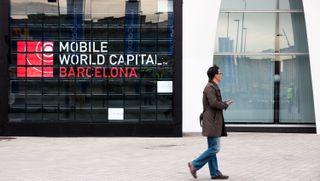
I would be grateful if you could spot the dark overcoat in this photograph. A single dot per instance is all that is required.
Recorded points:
(212, 116)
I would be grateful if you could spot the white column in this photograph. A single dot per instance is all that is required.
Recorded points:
(312, 14)
(199, 28)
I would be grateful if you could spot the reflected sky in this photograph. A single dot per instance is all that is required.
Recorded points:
(260, 4)
(99, 8)
(259, 31)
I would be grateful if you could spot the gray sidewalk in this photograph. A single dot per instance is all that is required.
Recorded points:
(244, 156)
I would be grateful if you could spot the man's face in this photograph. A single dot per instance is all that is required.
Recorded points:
(218, 76)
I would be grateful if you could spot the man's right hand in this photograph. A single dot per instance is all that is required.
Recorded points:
(228, 102)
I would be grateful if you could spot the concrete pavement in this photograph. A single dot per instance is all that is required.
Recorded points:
(244, 156)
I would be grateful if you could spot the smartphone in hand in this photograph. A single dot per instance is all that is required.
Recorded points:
(228, 101)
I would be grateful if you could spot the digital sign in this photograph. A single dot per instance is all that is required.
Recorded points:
(77, 59)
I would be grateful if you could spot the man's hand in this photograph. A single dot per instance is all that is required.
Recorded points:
(228, 102)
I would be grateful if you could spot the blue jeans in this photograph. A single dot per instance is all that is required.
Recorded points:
(210, 157)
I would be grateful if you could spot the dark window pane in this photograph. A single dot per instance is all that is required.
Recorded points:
(165, 114)
(132, 115)
(148, 114)
(99, 115)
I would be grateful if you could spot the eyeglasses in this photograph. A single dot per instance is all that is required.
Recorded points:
(220, 73)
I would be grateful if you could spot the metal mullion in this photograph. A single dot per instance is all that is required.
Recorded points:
(140, 83)
(276, 99)
(91, 98)
(108, 78)
(25, 78)
(91, 95)
(59, 39)
(157, 49)
(42, 84)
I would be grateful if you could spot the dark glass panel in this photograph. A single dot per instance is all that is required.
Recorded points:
(34, 114)
(132, 115)
(34, 86)
(83, 114)
(115, 101)
(115, 86)
(99, 101)
(165, 101)
(50, 114)
(16, 114)
(99, 115)
(148, 114)
(67, 114)
(165, 114)
(148, 100)
(50, 100)
(132, 86)
(132, 101)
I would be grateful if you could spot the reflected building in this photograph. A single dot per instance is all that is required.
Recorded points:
(272, 62)
(229, 63)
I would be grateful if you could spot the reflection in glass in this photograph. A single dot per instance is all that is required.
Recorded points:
(148, 114)
(254, 35)
(99, 115)
(250, 84)
(67, 114)
(296, 99)
(256, 83)
(261, 5)
(132, 115)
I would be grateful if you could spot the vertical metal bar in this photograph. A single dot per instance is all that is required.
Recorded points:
(276, 95)
(228, 19)
(177, 82)
(4, 57)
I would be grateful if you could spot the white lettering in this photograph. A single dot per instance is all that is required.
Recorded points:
(65, 48)
(83, 46)
(110, 59)
(74, 59)
(83, 59)
(100, 59)
(74, 46)
(64, 59)
(104, 46)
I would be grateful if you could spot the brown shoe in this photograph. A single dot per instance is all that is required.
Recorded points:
(220, 177)
(193, 171)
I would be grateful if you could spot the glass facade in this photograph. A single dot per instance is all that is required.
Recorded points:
(92, 61)
(262, 48)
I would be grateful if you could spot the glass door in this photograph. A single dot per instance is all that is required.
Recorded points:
(296, 99)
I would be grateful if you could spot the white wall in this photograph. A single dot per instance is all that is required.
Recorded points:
(312, 15)
(199, 27)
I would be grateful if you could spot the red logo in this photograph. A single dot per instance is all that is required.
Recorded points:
(34, 59)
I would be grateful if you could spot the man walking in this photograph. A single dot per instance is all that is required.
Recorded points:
(213, 126)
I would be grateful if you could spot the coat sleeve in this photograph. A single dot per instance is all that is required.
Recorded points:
(213, 100)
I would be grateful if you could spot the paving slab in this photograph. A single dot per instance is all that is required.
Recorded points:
(243, 156)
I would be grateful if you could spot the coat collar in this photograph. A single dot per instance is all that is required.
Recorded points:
(214, 85)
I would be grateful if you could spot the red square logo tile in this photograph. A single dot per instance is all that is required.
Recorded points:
(33, 59)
